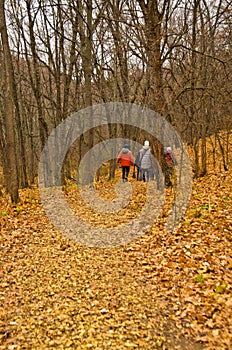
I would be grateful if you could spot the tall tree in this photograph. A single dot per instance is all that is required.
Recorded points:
(36, 72)
(153, 18)
(10, 97)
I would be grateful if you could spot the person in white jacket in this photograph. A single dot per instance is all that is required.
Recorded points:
(146, 162)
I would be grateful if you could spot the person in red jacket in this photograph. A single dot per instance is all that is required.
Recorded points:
(126, 159)
(171, 162)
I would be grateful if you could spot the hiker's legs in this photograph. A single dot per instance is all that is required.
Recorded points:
(127, 170)
(123, 172)
(142, 174)
(145, 175)
(151, 174)
(139, 174)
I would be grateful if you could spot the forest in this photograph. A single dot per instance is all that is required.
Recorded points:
(60, 59)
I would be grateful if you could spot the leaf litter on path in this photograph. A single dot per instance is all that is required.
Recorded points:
(161, 291)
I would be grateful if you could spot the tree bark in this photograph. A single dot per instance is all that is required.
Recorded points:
(9, 99)
(152, 31)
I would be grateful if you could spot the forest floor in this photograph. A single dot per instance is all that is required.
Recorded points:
(160, 291)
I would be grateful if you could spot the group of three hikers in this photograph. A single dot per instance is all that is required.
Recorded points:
(144, 163)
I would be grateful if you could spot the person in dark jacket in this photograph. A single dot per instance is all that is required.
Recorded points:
(137, 165)
(126, 159)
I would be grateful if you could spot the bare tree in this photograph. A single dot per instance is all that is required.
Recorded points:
(10, 98)
(172, 56)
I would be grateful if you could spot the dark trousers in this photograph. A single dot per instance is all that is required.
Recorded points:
(125, 172)
(139, 176)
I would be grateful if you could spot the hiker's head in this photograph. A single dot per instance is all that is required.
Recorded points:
(126, 145)
(146, 143)
(169, 148)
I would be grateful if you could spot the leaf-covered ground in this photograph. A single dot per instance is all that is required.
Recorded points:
(161, 291)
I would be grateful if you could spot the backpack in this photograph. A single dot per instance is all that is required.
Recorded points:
(137, 160)
(170, 159)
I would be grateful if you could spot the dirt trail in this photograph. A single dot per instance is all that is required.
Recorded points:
(161, 291)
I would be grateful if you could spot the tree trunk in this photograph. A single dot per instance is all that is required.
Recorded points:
(153, 20)
(9, 98)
